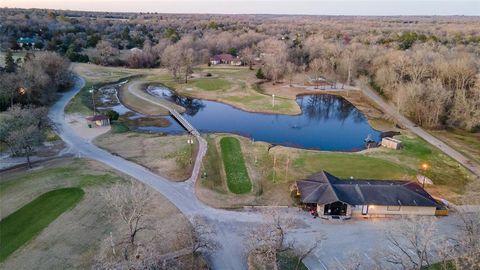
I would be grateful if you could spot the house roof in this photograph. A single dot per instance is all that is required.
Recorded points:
(27, 40)
(324, 188)
(224, 57)
(97, 118)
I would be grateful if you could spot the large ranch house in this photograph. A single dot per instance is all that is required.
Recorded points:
(337, 198)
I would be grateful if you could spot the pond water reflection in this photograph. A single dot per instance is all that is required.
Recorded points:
(327, 122)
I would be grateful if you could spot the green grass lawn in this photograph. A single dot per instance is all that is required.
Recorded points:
(443, 170)
(287, 260)
(212, 167)
(25, 223)
(238, 180)
(212, 84)
(345, 165)
(82, 101)
(438, 266)
(465, 142)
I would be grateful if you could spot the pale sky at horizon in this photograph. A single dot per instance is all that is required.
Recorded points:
(313, 7)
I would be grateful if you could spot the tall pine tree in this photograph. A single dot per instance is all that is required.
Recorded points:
(9, 62)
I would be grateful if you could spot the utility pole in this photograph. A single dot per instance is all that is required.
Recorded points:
(93, 99)
(274, 164)
(111, 243)
(286, 167)
(190, 142)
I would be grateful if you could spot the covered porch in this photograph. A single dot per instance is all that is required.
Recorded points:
(335, 210)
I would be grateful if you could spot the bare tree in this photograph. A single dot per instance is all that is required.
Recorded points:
(200, 240)
(305, 250)
(22, 129)
(412, 241)
(465, 111)
(290, 71)
(9, 86)
(468, 245)
(316, 68)
(171, 59)
(268, 239)
(187, 62)
(248, 57)
(129, 202)
(274, 54)
(105, 51)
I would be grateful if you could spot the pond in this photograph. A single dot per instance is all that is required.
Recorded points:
(327, 122)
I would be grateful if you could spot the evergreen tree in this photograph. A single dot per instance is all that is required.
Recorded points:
(260, 74)
(9, 62)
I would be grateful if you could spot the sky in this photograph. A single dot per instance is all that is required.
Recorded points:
(311, 7)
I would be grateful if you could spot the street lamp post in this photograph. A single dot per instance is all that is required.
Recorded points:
(93, 99)
(190, 142)
(273, 100)
(424, 169)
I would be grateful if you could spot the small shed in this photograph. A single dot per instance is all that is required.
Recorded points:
(98, 121)
(391, 143)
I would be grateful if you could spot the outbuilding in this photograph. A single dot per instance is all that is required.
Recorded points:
(98, 121)
(337, 198)
(391, 143)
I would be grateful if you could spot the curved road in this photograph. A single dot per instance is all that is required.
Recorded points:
(182, 195)
(364, 237)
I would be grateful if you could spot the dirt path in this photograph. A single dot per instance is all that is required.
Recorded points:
(402, 120)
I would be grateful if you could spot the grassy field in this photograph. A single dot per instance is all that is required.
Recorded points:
(238, 180)
(236, 86)
(74, 239)
(25, 223)
(96, 76)
(212, 84)
(450, 179)
(212, 167)
(466, 143)
(82, 102)
(169, 156)
(271, 184)
(345, 165)
(128, 97)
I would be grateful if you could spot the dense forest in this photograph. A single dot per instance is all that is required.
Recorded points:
(427, 66)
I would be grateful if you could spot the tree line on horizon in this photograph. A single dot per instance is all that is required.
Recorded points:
(427, 66)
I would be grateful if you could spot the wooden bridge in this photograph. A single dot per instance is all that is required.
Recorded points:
(183, 122)
(202, 143)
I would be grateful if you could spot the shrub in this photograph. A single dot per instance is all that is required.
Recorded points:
(112, 115)
(260, 75)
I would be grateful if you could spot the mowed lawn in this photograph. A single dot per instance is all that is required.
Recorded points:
(346, 165)
(212, 84)
(238, 180)
(25, 223)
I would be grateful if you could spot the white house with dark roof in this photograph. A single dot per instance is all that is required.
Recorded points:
(337, 198)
